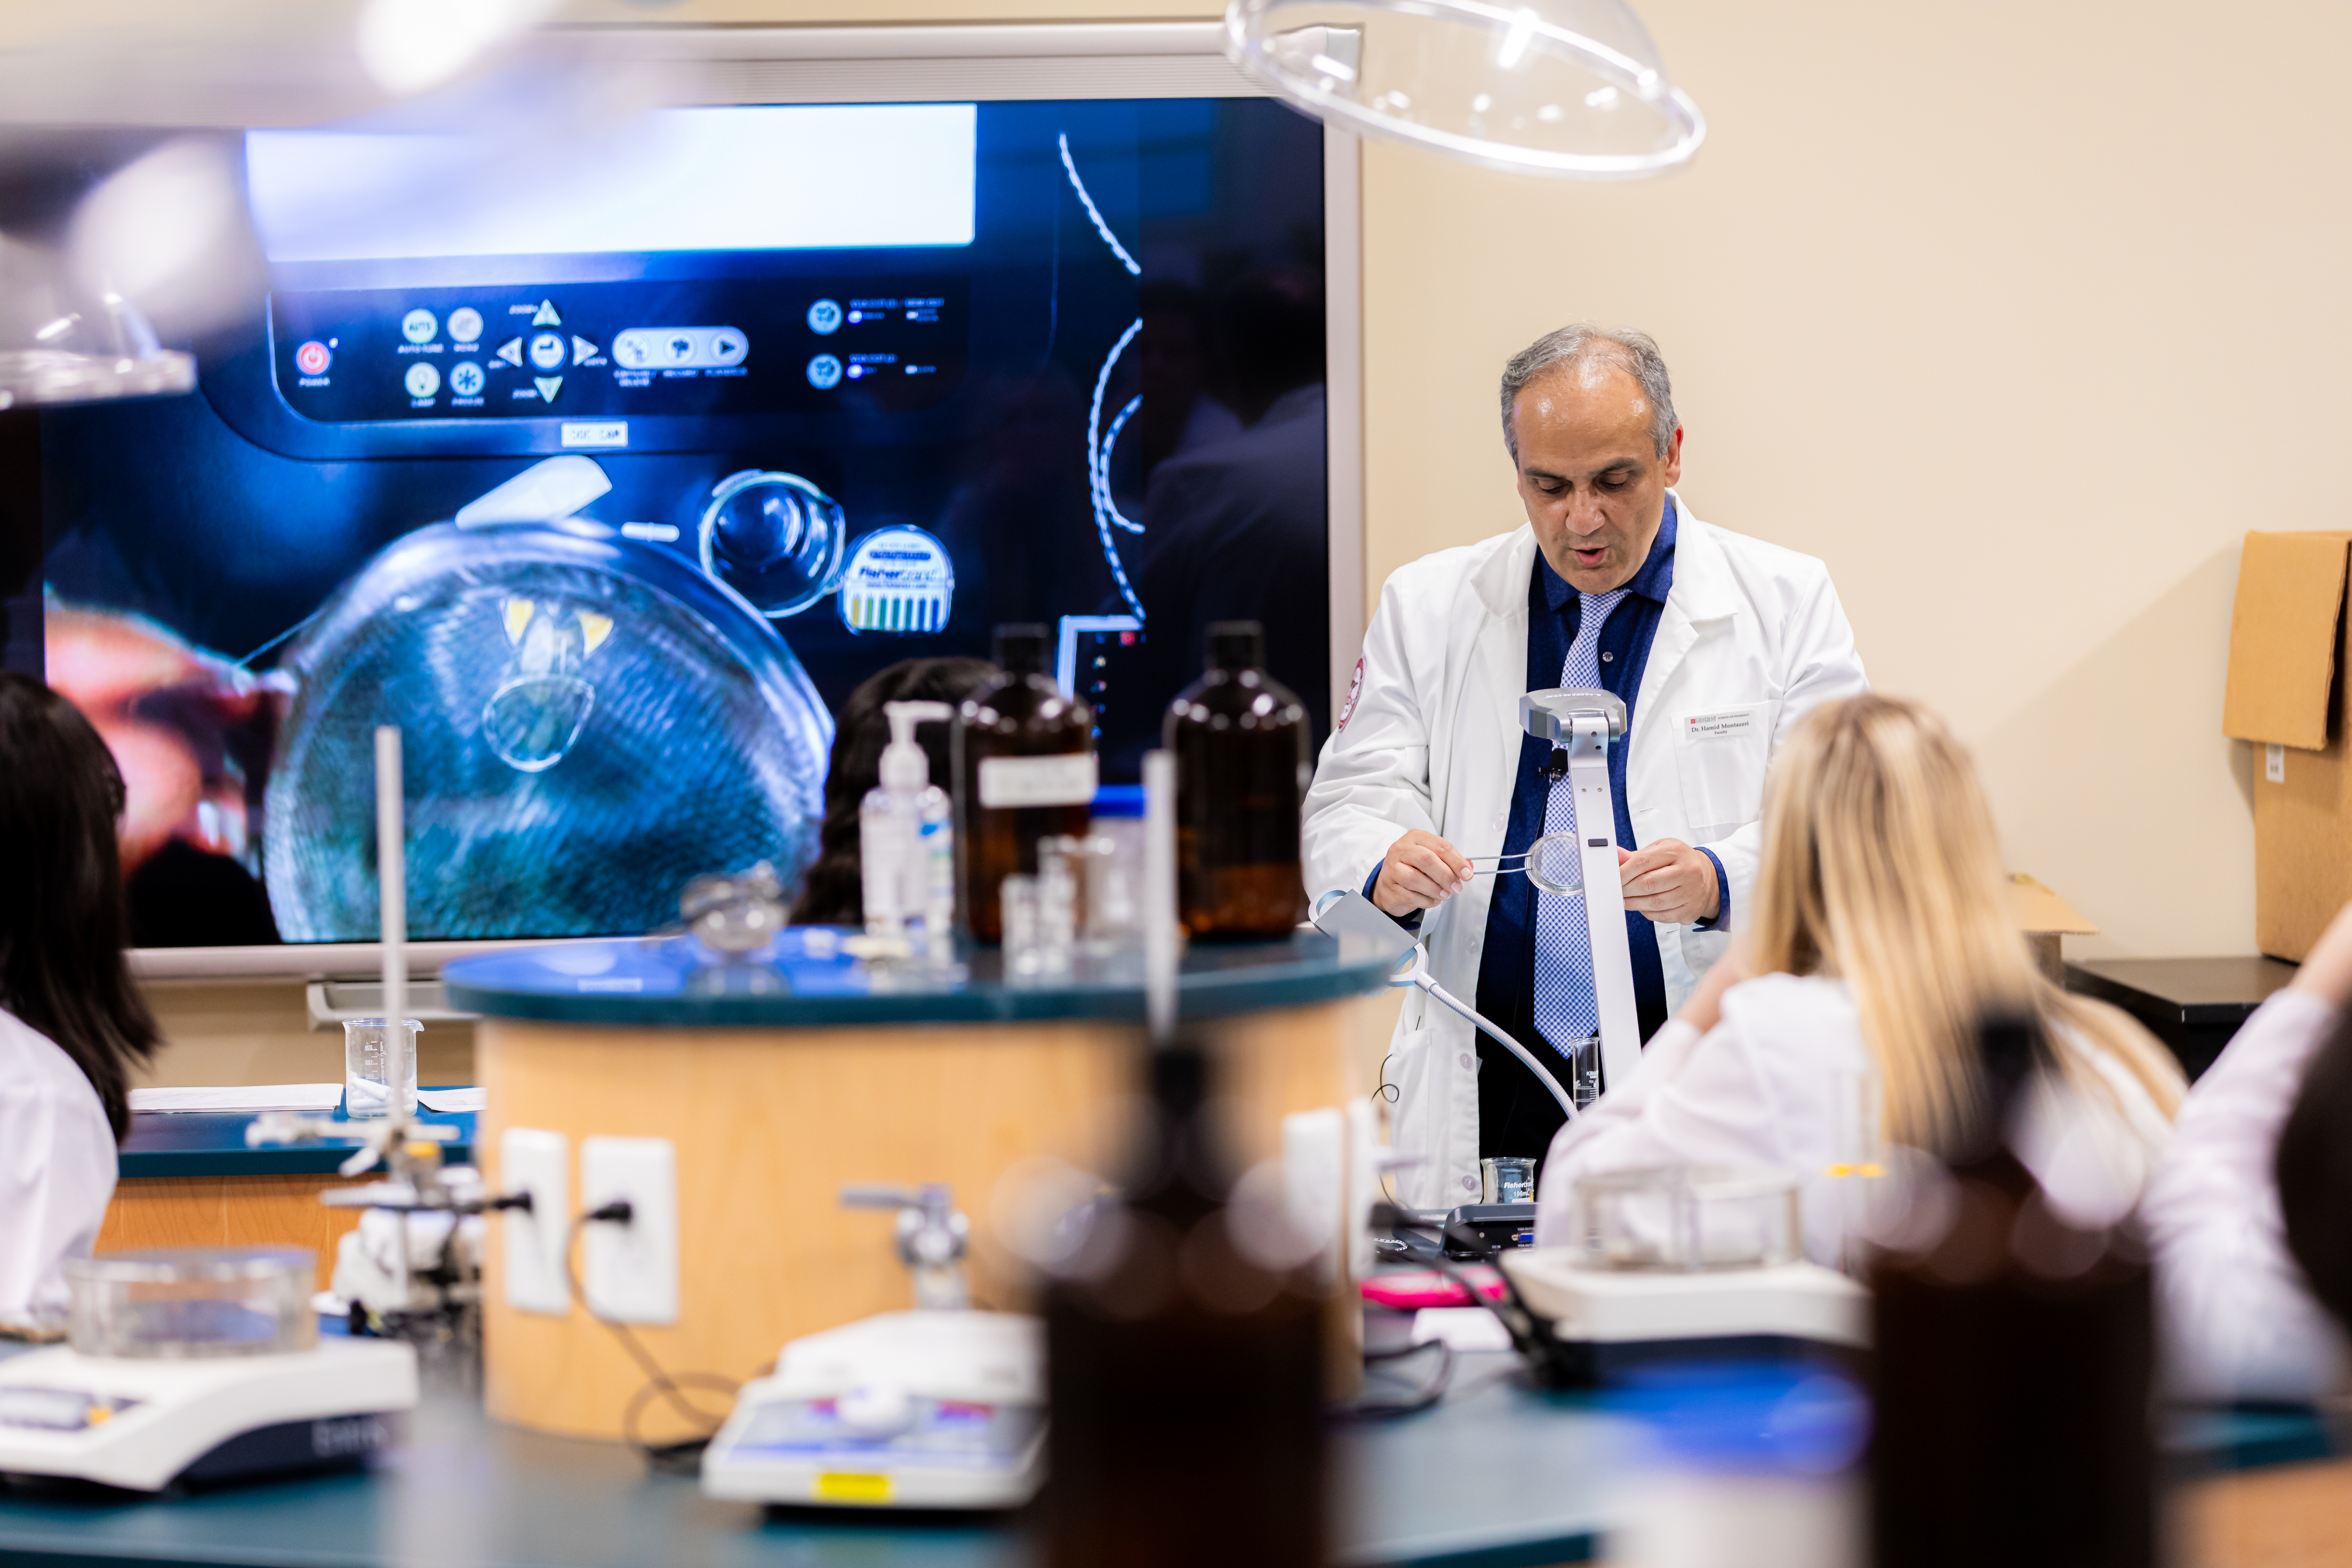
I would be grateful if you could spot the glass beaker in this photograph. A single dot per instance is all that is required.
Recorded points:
(191, 1303)
(378, 1063)
(1507, 1179)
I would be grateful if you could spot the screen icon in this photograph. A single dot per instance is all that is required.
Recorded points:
(420, 327)
(824, 373)
(465, 378)
(312, 358)
(466, 324)
(899, 580)
(422, 380)
(825, 317)
(549, 351)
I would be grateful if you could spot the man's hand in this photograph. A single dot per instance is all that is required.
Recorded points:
(1669, 881)
(1422, 871)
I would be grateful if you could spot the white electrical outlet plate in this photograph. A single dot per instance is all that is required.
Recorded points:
(539, 1163)
(630, 1270)
(1314, 1159)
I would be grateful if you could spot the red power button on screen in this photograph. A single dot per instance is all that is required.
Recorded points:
(312, 358)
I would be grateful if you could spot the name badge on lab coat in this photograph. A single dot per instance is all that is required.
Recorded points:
(1729, 725)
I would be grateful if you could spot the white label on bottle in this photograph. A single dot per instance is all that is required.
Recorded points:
(1065, 780)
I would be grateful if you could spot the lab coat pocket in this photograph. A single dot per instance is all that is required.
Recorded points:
(1722, 756)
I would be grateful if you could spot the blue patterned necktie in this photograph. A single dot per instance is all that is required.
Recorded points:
(1565, 1010)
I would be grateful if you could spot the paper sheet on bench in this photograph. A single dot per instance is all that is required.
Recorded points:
(241, 1097)
(453, 1099)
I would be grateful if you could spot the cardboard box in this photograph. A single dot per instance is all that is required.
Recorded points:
(2287, 655)
(2045, 917)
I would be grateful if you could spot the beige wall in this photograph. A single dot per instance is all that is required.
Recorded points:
(2018, 315)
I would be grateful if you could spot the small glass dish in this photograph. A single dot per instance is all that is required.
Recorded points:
(192, 1302)
(1688, 1218)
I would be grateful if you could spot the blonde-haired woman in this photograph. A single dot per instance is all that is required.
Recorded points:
(1879, 938)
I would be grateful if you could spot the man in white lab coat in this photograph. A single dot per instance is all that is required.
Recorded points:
(1717, 643)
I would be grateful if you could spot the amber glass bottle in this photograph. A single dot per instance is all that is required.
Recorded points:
(1184, 1377)
(2014, 1357)
(1240, 742)
(1025, 756)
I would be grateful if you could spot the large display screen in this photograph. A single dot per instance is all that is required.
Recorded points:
(609, 488)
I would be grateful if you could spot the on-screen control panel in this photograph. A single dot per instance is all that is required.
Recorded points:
(611, 350)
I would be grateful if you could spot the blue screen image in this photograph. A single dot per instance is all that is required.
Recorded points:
(608, 494)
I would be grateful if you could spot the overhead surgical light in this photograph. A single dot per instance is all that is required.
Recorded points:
(1572, 89)
(62, 341)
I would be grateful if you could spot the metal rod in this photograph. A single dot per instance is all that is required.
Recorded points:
(391, 880)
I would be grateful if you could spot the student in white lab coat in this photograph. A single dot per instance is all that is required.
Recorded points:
(1878, 939)
(2251, 1217)
(1717, 643)
(71, 1022)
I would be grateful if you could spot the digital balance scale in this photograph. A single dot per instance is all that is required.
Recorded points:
(923, 1409)
(1676, 1262)
(197, 1366)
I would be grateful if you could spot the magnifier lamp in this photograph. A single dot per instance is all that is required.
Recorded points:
(1580, 725)
(1571, 88)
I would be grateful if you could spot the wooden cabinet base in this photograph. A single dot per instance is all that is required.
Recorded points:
(228, 1211)
(769, 1124)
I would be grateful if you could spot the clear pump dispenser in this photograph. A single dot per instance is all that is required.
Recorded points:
(906, 834)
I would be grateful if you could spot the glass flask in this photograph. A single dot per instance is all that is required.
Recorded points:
(1024, 771)
(1239, 743)
(191, 1303)
(379, 1063)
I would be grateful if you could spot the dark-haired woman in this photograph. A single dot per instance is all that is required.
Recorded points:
(2251, 1214)
(834, 892)
(71, 1023)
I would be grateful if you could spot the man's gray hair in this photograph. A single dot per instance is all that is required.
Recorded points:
(1635, 351)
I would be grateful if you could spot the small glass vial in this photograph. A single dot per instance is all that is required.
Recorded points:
(378, 1064)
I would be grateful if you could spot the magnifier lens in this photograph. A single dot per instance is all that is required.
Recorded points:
(1554, 865)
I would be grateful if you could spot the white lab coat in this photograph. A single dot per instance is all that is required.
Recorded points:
(56, 1172)
(2239, 1318)
(1769, 1086)
(1430, 739)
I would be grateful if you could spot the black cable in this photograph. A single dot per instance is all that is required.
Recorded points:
(1430, 1393)
(658, 1383)
(1387, 1091)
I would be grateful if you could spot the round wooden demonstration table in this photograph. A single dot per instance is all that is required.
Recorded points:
(778, 1081)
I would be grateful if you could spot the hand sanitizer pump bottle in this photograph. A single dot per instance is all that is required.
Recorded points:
(906, 834)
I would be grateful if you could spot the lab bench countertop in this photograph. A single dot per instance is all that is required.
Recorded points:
(207, 1143)
(805, 979)
(1496, 1475)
